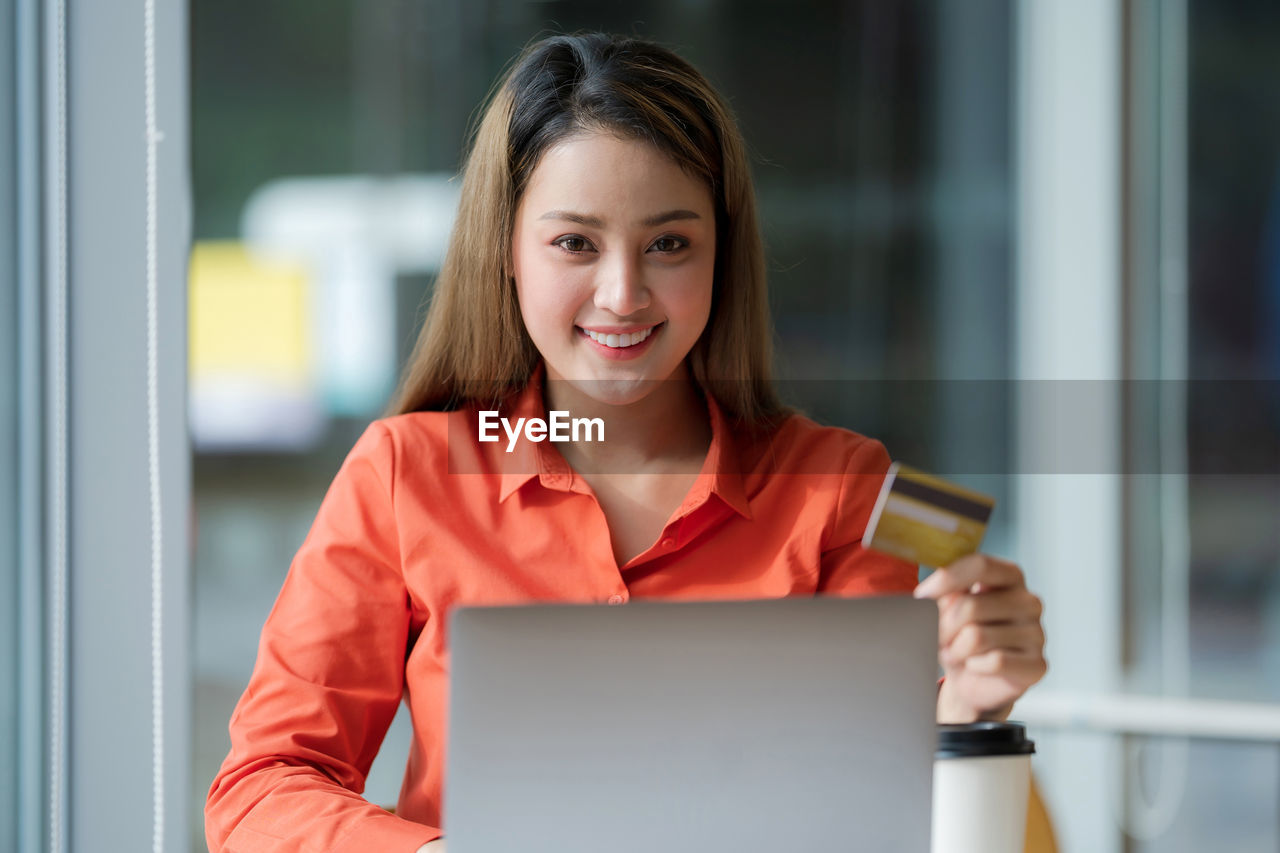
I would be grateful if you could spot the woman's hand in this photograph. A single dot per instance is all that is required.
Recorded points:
(990, 642)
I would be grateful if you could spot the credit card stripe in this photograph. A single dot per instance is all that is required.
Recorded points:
(922, 513)
(943, 500)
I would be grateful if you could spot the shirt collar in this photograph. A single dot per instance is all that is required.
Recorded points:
(723, 465)
(528, 459)
(721, 474)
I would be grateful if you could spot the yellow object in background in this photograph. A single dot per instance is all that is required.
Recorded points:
(1040, 837)
(249, 317)
(251, 358)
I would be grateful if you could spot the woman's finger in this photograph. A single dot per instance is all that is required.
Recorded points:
(999, 606)
(975, 639)
(1024, 668)
(976, 569)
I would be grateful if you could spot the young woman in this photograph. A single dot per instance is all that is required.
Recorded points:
(607, 263)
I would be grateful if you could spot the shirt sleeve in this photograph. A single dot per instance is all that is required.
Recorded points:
(847, 568)
(328, 679)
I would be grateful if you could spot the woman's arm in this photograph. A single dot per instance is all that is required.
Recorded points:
(326, 685)
(990, 641)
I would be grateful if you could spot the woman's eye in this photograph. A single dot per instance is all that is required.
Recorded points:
(668, 245)
(572, 244)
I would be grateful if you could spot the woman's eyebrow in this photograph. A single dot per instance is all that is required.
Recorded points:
(597, 222)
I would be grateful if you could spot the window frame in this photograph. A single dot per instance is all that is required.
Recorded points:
(86, 769)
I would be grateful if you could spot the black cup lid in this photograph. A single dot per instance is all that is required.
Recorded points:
(976, 740)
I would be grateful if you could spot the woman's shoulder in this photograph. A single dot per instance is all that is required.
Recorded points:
(421, 436)
(429, 427)
(426, 443)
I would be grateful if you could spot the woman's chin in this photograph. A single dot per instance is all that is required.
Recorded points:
(615, 391)
(613, 384)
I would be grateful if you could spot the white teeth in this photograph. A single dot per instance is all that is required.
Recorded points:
(620, 341)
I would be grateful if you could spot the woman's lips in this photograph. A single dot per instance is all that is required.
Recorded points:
(621, 353)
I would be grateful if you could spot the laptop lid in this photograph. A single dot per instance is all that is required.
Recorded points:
(792, 724)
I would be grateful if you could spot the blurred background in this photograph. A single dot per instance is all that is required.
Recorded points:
(975, 214)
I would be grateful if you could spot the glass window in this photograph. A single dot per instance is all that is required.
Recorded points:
(1202, 593)
(1233, 310)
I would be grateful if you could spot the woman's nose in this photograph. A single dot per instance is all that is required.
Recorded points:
(620, 287)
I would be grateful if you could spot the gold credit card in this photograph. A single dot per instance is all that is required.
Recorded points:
(925, 519)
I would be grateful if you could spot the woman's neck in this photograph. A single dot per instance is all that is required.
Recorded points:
(666, 431)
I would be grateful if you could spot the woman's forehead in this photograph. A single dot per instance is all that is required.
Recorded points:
(613, 180)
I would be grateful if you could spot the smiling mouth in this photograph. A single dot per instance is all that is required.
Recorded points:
(622, 341)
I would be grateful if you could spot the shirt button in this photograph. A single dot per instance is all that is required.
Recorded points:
(668, 542)
(617, 599)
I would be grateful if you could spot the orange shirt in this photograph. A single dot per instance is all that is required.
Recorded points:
(423, 517)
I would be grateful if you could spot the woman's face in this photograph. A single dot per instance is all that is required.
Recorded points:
(613, 253)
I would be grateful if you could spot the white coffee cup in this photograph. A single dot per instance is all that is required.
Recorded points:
(981, 773)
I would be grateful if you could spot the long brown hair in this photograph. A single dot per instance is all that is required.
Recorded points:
(473, 345)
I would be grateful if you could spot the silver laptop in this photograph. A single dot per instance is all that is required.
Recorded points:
(795, 724)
